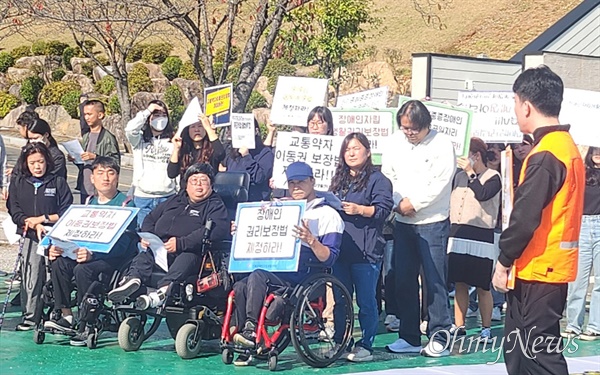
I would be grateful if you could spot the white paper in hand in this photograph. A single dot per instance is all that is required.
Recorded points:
(75, 150)
(10, 231)
(158, 248)
(190, 116)
(69, 248)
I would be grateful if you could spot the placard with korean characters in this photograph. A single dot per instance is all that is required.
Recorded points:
(374, 98)
(295, 97)
(376, 125)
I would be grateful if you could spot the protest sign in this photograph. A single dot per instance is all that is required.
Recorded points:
(217, 102)
(581, 109)
(321, 152)
(452, 121)
(96, 228)
(375, 124)
(190, 116)
(242, 130)
(375, 98)
(494, 117)
(264, 237)
(506, 169)
(295, 97)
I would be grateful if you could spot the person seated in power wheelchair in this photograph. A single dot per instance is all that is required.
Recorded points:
(89, 267)
(320, 234)
(180, 223)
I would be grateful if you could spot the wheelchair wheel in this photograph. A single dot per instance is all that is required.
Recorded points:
(227, 356)
(92, 340)
(273, 363)
(187, 343)
(131, 334)
(306, 322)
(38, 336)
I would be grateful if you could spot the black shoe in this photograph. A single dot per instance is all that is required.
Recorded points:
(243, 360)
(80, 339)
(25, 326)
(61, 324)
(127, 287)
(247, 338)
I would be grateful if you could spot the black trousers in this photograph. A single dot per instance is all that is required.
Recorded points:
(533, 317)
(250, 294)
(63, 270)
(181, 266)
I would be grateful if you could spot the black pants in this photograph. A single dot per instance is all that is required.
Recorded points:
(63, 270)
(533, 316)
(181, 266)
(250, 294)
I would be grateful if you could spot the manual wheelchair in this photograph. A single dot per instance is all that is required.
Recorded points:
(294, 314)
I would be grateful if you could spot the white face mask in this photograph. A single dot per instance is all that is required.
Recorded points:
(159, 123)
(36, 140)
(472, 162)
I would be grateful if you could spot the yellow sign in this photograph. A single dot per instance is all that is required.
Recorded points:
(218, 101)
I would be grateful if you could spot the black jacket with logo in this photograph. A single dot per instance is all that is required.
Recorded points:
(53, 196)
(178, 217)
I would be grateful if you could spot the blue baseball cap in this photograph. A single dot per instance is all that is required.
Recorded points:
(299, 171)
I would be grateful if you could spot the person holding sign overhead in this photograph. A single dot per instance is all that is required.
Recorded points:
(257, 162)
(321, 236)
(198, 143)
(366, 196)
(37, 199)
(539, 248)
(88, 266)
(180, 223)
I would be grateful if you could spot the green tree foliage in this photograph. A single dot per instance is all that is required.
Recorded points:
(58, 74)
(174, 101)
(87, 68)
(156, 53)
(38, 48)
(6, 61)
(139, 79)
(105, 86)
(53, 93)
(276, 68)
(135, 53)
(30, 89)
(324, 31)
(8, 102)
(68, 54)
(256, 100)
(70, 102)
(21, 51)
(114, 107)
(55, 48)
(171, 67)
(187, 71)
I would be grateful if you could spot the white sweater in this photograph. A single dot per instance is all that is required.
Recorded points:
(150, 160)
(422, 173)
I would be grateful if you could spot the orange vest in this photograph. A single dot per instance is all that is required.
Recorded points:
(551, 255)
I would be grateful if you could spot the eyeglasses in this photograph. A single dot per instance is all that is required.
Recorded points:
(410, 130)
(199, 181)
(317, 123)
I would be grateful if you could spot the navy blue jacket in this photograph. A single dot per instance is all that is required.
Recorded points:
(259, 165)
(363, 236)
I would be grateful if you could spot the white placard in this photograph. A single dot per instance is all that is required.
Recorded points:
(494, 117)
(295, 97)
(321, 152)
(375, 98)
(74, 149)
(376, 125)
(581, 109)
(190, 116)
(242, 130)
(10, 230)
(157, 246)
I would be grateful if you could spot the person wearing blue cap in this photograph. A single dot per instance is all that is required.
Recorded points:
(321, 235)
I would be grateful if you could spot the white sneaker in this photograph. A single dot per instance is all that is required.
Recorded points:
(472, 313)
(394, 326)
(150, 301)
(360, 354)
(472, 289)
(423, 327)
(496, 314)
(452, 293)
(389, 319)
(327, 334)
(435, 349)
(401, 346)
(486, 335)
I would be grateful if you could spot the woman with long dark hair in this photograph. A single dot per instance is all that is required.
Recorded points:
(589, 258)
(199, 143)
(258, 162)
(366, 196)
(150, 133)
(39, 131)
(37, 199)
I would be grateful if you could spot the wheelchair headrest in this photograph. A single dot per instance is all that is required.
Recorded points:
(233, 188)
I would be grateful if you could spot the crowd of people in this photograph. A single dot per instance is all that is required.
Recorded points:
(441, 216)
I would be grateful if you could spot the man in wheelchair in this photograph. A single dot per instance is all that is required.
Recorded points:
(89, 266)
(180, 223)
(321, 235)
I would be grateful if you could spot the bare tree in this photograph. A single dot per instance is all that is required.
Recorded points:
(214, 25)
(115, 25)
(429, 10)
(12, 19)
